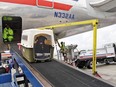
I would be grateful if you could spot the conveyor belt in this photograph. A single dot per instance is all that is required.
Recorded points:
(61, 75)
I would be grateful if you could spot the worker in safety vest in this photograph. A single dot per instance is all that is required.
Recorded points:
(63, 50)
(8, 34)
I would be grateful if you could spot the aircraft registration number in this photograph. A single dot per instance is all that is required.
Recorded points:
(63, 15)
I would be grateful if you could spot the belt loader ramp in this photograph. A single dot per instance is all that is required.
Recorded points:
(58, 74)
(94, 24)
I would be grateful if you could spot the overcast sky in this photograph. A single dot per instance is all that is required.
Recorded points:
(84, 40)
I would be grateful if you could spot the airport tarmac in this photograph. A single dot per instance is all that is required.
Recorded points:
(107, 72)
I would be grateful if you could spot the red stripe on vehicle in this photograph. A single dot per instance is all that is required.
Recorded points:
(45, 3)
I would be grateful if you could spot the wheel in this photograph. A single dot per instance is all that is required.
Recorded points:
(79, 64)
(89, 64)
(114, 59)
(106, 62)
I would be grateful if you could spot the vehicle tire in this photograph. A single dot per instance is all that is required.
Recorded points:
(114, 59)
(106, 62)
(79, 64)
(89, 64)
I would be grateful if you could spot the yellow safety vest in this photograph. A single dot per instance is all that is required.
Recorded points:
(8, 34)
(10, 31)
(5, 32)
(63, 49)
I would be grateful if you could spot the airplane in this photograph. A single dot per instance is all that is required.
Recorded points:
(40, 13)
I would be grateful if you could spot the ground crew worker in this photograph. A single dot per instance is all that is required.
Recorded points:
(8, 34)
(63, 50)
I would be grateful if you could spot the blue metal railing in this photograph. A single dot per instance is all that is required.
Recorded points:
(32, 79)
